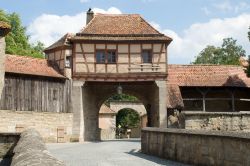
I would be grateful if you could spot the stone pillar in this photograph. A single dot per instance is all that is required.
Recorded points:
(4, 30)
(162, 105)
(77, 105)
(91, 113)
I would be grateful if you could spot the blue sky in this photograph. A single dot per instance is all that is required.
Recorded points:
(192, 24)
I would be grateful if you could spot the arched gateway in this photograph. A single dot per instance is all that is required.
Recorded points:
(111, 51)
(116, 106)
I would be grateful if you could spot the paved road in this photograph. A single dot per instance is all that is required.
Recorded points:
(106, 153)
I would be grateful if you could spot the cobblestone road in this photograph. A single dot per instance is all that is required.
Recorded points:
(106, 153)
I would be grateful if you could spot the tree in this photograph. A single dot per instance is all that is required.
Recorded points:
(127, 118)
(248, 68)
(249, 34)
(228, 54)
(120, 97)
(208, 55)
(17, 42)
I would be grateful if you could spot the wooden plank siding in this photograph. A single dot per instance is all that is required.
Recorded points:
(40, 94)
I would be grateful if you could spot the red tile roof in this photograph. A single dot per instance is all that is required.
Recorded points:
(106, 110)
(64, 41)
(119, 27)
(174, 98)
(30, 66)
(208, 75)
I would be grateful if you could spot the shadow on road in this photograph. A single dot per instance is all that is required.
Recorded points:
(154, 159)
(5, 162)
(123, 140)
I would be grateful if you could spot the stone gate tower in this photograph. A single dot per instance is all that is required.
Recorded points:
(118, 50)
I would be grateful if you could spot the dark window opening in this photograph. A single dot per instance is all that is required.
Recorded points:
(68, 61)
(111, 56)
(100, 56)
(55, 94)
(106, 57)
(147, 56)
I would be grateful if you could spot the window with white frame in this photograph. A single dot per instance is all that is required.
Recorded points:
(68, 61)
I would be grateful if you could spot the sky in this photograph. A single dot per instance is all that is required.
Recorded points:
(193, 24)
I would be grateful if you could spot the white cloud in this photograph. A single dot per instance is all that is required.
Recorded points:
(48, 28)
(185, 47)
(111, 10)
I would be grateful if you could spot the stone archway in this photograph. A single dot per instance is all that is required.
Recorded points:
(137, 106)
(88, 97)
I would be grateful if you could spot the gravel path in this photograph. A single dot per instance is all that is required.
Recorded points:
(106, 153)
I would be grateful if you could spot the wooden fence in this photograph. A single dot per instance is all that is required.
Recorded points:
(32, 93)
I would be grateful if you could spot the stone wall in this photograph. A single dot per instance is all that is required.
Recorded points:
(229, 121)
(31, 150)
(87, 98)
(107, 134)
(197, 147)
(54, 127)
(2, 63)
(7, 143)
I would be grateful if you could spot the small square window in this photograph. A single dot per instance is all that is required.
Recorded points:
(68, 61)
(147, 56)
(111, 56)
(100, 56)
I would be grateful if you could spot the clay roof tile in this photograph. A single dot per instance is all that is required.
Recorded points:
(30, 66)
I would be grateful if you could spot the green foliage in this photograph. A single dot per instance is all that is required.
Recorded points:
(127, 118)
(120, 97)
(17, 42)
(249, 34)
(248, 68)
(228, 54)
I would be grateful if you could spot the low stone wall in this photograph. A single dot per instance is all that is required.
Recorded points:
(54, 127)
(31, 150)
(199, 147)
(7, 143)
(228, 121)
(107, 134)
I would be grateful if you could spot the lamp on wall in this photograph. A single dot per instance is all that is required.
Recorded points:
(119, 89)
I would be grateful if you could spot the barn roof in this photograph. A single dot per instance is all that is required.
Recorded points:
(30, 66)
(119, 27)
(202, 76)
(174, 98)
(208, 75)
(62, 42)
(106, 110)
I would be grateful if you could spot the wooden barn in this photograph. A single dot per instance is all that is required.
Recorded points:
(211, 88)
(32, 84)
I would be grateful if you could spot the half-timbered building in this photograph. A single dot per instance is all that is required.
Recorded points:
(113, 51)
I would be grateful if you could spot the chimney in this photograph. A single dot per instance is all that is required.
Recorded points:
(90, 16)
(4, 30)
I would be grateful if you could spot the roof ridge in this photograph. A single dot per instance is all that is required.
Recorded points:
(152, 26)
(196, 65)
(122, 14)
(26, 56)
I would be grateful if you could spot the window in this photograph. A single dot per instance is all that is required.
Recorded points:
(146, 56)
(100, 56)
(68, 61)
(106, 57)
(111, 56)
